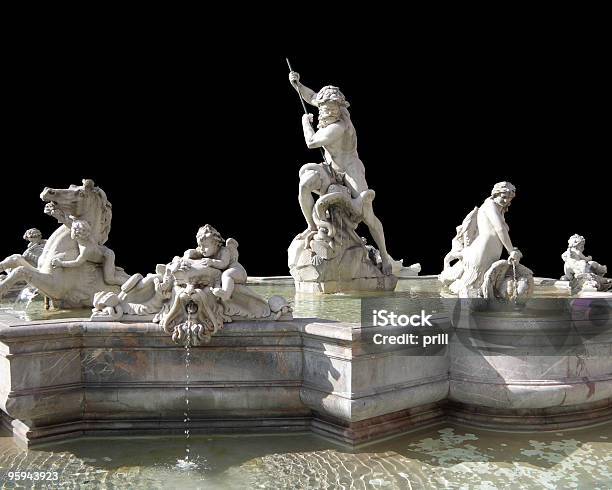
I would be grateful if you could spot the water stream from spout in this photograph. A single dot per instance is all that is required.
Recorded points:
(186, 463)
(514, 282)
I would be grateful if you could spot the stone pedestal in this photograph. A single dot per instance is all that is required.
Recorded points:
(511, 371)
(546, 367)
(76, 378)
(350, 268)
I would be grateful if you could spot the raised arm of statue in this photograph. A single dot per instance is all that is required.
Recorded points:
(307, 94)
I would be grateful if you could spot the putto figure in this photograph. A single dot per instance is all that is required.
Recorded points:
(583, 273)
(193, 296)
(36, 245)
(477, 248)
(31, 254)
(90, 251)
(213, 251)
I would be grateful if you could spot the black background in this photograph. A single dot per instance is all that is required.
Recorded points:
(178, 140)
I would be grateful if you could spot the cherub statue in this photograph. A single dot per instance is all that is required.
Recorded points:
(36, 244)
(90, 251)
(581, 270)
(32, 253)
(578, 263)
(214, 251)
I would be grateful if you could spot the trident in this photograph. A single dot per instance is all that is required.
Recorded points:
(305, 110)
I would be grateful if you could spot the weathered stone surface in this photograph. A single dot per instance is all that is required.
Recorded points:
(522, 365)
(68, 378)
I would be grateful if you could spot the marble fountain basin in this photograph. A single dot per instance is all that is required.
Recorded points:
(547, 367)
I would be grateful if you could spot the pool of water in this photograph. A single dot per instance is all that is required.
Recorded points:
(340, 307)
(422, 293)
(442, 457)
(447, 456)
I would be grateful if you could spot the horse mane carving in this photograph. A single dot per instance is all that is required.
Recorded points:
(106, 216)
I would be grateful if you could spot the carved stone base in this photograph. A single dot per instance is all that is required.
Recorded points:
(65, 379)
(377, 428)
(351, 269)
(28, 437)
(589, 282)
(531, 419)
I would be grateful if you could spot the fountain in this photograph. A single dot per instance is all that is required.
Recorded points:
(195, 348)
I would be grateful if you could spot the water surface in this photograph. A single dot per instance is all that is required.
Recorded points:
(443, 457)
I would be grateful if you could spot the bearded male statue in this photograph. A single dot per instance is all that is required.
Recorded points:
(329, 256)
(336, 135)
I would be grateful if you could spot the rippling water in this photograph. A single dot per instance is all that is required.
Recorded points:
(445, 457)
(422, 292)
(340, 307)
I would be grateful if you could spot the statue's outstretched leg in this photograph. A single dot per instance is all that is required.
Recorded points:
(355, 180)
(16, 274)
(229, 278)
(13, 261)
(597, 268)
(226, 289)
(378, 234)
(109, 269)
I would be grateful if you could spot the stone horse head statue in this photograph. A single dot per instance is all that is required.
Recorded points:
(66, 287)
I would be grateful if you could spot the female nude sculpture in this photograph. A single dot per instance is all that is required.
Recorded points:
(477, 248)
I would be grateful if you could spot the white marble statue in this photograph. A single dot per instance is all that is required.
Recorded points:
(36, 245)
(583, 273)
(477, 248)
(208, 278)
(31, 254)
(74, 264)
(330, 244)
